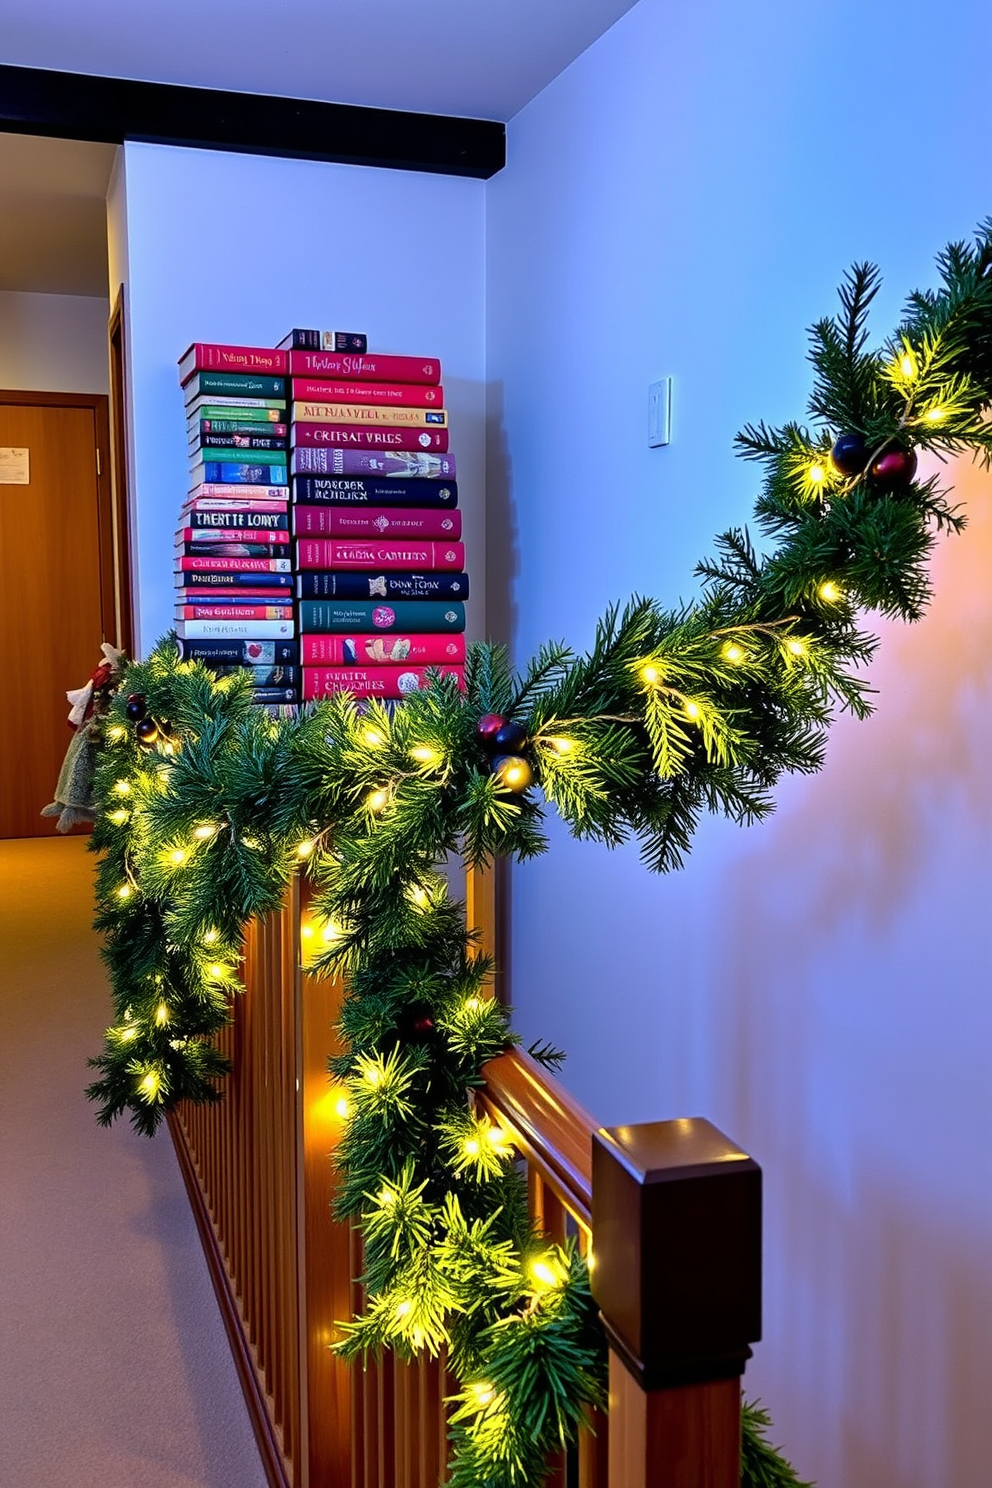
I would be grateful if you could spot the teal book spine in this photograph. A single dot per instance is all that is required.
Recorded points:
(409, 616)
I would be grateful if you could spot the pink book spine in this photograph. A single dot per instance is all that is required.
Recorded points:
(357, 436)
(383, 650)
(210, 563)
(382, 681)
(374, 521)
(331, 553)
(189, 594)
(209, 356)
(217, 489)
(230, 612)
(364, 367)
(219, 504)
(408, 393)
(231, 534)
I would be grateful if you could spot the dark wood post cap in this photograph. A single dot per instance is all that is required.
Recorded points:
(676, 1222)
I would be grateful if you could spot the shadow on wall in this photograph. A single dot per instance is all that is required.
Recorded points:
(502, 545)
(850, 991)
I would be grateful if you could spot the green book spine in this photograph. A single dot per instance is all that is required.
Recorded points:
(270, 411)
(239, 456)
(408, 616)
(236, 384)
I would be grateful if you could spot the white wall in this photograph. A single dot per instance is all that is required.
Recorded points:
(240, 248)
(683, 201)
(53, 343)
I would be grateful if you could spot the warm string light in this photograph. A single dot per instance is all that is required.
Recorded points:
(211, 936)
(377, 800)
(205, 831)
(482, 1394)
(830, 592)
(124, 892)
(544, 1271)
(692, 709)
(373, 738)
(118, 817)
(122, 787)
(935, 415)
(816, 473)
(162, 1014)
(650, 674)
(178, 856)
(424, 754)
(796, 647)
(303, 849)
(116, 733)
(150, 1086)
(733, 653)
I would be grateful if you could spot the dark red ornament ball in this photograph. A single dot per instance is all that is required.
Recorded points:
(135, 707)
(423, 1025)
(894, 468)
(488, 727)
(849, 454)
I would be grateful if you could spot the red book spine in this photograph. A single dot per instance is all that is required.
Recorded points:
(364, 367)
(376, 521)
(229, 534)
(210, 563)
(239, 493)
(382, 650)
(357, 436)
(381, 681)
(308, 389)
(208, 356)
(330, 553)
(231, 612)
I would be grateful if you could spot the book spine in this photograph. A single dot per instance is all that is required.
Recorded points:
(413, 615)
(368, 367)
(383, 393)
(275, 695)
(316, 584)
(331, 553)
(352, 437)
(231, 504)
(266, 429)
(219, 535)
(234, 385)
(354, 341)
(238, 474)
(225, 490)
(374, 521)
(239, 653)
(206, 356)
(353, 491)
(230, 612)
(234, 441)
(398, 416)
(384, 682)
(396, 463)
(256, 410)
(245, 558)
(191, 590)
(235, 630)
(263, 676)
(269, 520)
(365, 650)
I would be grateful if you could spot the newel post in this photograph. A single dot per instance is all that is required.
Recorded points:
(676, 1219)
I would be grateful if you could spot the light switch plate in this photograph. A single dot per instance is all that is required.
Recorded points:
(660, 412)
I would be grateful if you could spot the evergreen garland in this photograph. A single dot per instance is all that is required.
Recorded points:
(670, 714)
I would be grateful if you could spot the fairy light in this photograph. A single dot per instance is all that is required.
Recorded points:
(372, 1075)
(692, 710)
(373, 738)
(342, 1107)
(216, 971)
(496, 1137)
(331, 932)
(162, 1014)
(305, 848)
(127, 1034)
(119, 816)
(402, 1308)
(816, 474)
(418, 896)
(935, 415)
(472, 1004)
(387, 1198)
(205, 831)
(733, 653)
(122, 787)
(482, 1394)
(212, 936)
(830, 592)
(650, 674)
(150, 1085)
(178, 856)
(562, 746)
(795, 646)
(907, 365)
(377, 799)
(471, 1147)
(424, 754)
(544, 1273)
(124, 892)
(116, 733)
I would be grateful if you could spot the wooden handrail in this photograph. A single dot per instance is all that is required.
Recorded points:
(550, 1129)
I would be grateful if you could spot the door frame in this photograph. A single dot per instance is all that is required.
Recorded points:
(115, 556)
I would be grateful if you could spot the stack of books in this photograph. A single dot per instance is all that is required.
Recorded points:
(381, 578)
(233, 560)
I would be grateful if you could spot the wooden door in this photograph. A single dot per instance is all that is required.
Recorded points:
(57, 593)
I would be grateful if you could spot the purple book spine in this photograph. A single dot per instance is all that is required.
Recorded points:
(333, 461)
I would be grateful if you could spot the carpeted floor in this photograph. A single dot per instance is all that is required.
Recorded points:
(114, 1366)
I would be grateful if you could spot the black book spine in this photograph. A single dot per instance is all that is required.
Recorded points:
(239, 441)
(345, 490)
(240, 653)
(319, 584)
(195, 578)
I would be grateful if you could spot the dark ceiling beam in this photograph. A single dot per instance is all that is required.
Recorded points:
(71, 105)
